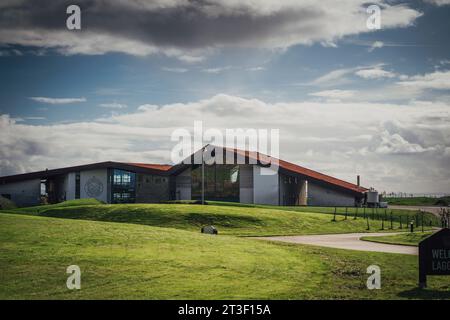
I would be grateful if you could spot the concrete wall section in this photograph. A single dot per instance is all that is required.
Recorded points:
(23, 193)
(321, 196)
(69, 185)
(265, 186)
(245, 183)
(183, 185)
(94, 184)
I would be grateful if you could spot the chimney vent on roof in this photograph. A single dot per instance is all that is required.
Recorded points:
(358, 180)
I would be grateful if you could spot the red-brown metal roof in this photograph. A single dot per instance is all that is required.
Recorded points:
(161, 167)
(293, 168)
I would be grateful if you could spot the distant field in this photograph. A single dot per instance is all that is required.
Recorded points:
(230, 219)
(419, 201)
(408, 239)
(129, 261)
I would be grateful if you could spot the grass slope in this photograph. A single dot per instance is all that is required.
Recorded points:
(124, 261)
(229, 219)
(408, 239)
(419, 201)
(373, 213)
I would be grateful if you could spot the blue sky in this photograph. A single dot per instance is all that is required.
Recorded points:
(103, 79)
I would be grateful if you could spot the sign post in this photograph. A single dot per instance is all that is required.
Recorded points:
(434, 256)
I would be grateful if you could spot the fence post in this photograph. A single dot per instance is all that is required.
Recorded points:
(368, 226)
(334, 216)
(346, 211)
(422, 221)
(392, 222)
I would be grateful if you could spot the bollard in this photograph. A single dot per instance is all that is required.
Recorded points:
(411, 226)
(334, 216)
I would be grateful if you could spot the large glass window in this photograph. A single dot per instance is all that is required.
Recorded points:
(123, 186)
(221, 182)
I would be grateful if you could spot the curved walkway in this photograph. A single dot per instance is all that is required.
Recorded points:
(350, 241)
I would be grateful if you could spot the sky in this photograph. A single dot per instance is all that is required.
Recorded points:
(347, 99)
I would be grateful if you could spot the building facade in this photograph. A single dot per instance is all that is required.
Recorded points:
(246, 181)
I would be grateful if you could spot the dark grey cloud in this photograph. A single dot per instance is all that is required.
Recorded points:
(179, 26)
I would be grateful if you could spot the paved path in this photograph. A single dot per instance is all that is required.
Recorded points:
(350, 241)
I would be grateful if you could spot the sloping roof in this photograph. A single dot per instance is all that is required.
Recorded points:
(296, 169)
(161, 167)
(138, 167)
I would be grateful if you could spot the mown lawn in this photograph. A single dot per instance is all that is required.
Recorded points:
(408, 239)
(230, 219)
(128, 261)
(376, 214)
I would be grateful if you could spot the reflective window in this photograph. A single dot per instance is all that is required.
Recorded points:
(221, 182)
(123, 186)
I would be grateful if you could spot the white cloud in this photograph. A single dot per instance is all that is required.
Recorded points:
(35, 118)
(255, 69)
(341, 76)
(217, 70)
(334, 94)
(334, 77)
(175, 70)
(113, 105)
(439, 80)
(375, 73)
(345, 139)
(396, 144)
(376, 45)
(57, 100)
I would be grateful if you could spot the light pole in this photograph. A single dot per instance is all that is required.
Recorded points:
(203, 176)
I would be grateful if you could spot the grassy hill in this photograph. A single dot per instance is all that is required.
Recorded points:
(129, 261)
(419, 201)
(230, 219)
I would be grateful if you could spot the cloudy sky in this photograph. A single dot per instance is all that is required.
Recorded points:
(347, 100)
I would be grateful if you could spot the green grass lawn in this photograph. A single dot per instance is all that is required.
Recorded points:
(129, 261)
(230, 219)
(408, 239)
(419, 201)
(372, 213)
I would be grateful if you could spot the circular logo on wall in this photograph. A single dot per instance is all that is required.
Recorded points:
(93, 187)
